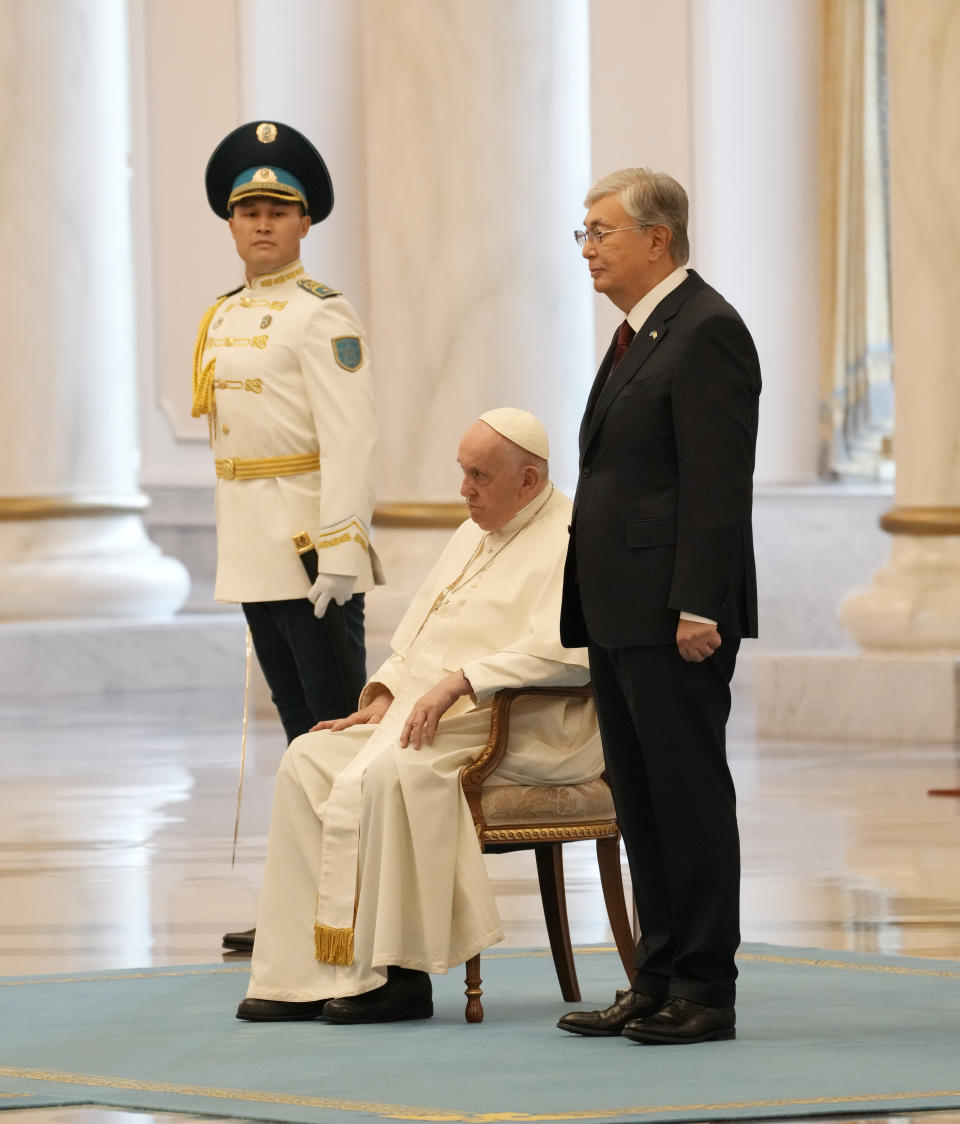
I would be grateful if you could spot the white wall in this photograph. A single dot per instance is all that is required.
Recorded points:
(640, 104)
(311, 79)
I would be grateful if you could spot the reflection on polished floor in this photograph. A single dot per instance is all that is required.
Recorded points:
(116, 825)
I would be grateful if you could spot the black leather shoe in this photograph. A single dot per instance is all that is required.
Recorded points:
(680, 1021)
(628, 1006)
(274, 1011)
(406, 995)
(242, 942)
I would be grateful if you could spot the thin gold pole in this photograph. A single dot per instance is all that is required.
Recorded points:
(243, 748)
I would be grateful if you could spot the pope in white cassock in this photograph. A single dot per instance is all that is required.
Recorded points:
(374, 876)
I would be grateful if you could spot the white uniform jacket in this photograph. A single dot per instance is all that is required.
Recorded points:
(290, 378)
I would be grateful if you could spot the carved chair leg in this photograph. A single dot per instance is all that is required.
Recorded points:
(550, 874)
(474, 1011)
(611, 881)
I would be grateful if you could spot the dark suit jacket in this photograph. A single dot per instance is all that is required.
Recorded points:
(662, 514)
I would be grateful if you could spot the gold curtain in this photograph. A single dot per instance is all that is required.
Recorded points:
(856, 416)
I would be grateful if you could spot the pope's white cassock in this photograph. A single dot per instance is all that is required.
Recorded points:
(373, 858)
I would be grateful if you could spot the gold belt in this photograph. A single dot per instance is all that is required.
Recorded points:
(259, 468)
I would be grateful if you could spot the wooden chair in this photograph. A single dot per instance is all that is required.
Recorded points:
(544, 817)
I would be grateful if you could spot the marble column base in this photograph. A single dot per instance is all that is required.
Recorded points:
(855, 697)
(90, 567)
(913, 603)
(202, 652)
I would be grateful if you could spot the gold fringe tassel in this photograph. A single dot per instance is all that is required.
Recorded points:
(333, 946)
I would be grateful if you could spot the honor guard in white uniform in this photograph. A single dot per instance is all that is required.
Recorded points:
(282, 373)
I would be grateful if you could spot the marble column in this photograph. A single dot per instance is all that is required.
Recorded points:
(913, 603)
(477, 162)
(904, 684)
(754, 70)
(476, 119)
(72, 543)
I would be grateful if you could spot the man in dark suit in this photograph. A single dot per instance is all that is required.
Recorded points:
(660, 584)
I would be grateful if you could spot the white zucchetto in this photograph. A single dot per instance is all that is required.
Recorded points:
(520, 427)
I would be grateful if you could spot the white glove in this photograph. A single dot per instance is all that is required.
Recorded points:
(330, 587)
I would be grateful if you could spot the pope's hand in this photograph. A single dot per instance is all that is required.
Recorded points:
(369, 715)
(421, 724)
(696, 641)
(330, 587)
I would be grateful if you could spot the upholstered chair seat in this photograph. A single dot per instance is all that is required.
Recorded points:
(522, 805)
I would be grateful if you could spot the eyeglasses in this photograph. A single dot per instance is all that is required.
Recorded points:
(598, 236)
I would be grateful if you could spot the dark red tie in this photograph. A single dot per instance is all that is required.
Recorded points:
(624, 336)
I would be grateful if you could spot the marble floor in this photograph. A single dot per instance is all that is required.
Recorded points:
(117, 817)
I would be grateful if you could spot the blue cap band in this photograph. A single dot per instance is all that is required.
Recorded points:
(267, 181)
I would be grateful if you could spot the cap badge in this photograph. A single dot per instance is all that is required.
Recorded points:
(265, 175)
(266, 132)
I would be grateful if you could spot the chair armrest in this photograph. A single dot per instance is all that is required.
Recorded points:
(474, 775)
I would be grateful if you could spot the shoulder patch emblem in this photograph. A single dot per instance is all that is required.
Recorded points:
(348, 352)
(318, 290)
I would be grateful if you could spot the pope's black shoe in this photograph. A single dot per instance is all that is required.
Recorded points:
(681, 1021)
(275, 1011)
(407, 994)
(627, 1007)
(241, 942)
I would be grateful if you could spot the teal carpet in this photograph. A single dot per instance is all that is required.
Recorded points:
(819, 1033)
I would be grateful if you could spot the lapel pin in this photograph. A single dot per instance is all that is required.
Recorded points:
(653, 335)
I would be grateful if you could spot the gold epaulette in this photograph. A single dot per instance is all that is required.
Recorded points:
(318, 289)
